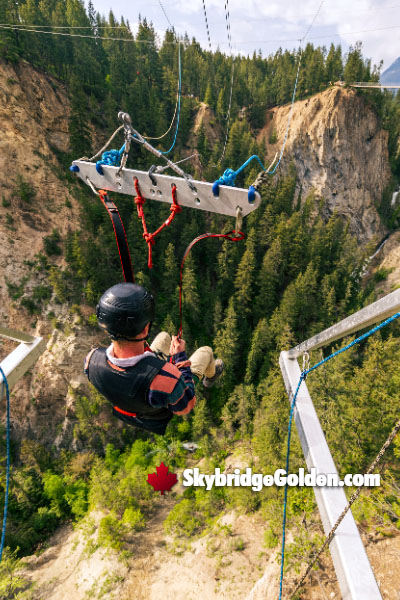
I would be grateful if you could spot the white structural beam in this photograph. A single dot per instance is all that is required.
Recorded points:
(353, 570)
(378, 311)
(158, 187)
(21, 359)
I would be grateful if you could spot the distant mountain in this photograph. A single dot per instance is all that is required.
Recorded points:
(392, 74)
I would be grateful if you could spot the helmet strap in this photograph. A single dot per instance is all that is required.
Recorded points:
(121, 337)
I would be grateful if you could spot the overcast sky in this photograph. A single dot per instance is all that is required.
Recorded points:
(256, 24)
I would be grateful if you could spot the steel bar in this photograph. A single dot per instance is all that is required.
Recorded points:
(353, 570)
(378, 311)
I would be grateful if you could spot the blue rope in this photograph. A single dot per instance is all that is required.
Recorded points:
(3, 533)
(179, 101)
(229, 175)
(111, 158)
(292, 407)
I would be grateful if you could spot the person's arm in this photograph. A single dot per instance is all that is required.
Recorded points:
(173, 387)
(178, 352)
(183, 364)
(87, 361)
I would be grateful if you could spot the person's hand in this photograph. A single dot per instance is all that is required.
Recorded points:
(177, 345)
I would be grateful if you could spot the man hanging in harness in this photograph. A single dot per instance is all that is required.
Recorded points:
(145, 389)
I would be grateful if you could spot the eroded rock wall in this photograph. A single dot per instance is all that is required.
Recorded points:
(339, 150)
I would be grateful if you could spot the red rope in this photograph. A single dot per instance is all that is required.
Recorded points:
(233, 236)
(149, 237)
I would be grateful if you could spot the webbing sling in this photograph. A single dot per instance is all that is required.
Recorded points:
(120, 236)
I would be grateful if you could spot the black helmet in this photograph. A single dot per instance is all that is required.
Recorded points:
(124, 310)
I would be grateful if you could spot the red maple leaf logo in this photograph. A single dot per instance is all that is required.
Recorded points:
(162, 481)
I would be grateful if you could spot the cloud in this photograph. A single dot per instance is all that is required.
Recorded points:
(273, 24)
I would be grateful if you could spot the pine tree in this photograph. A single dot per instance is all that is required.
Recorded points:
(334, 64)
(79, 131)
(227, 345)
(355, 70)
(245, 275)
(209, 97)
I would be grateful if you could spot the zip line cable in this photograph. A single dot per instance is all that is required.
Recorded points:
(228, 30)
(179, 92)
(294, 91)
(178, 104)
(91, 27)
(229, 36)
(14, 27)
(312, 22)
(165, 14)
(207, 28)
(306, 15)
(258, 19)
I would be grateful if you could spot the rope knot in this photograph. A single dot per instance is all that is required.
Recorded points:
(149, 237)
(175, 209)
(139, 201)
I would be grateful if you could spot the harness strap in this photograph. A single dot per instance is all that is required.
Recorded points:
(124, 412)
(149, 237)
(120, 236)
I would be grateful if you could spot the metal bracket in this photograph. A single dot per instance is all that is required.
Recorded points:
(200, 196)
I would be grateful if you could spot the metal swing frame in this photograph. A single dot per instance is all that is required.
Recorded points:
(158, 187)
(353, 570)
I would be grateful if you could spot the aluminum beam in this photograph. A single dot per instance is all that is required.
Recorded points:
(378, 311)
(203, 198)
(353, 570)
(20, 360)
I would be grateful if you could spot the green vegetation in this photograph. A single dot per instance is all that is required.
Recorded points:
(50, 243)
(25, 191)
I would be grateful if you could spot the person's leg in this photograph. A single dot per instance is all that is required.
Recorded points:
(203, 362)
(161, 343)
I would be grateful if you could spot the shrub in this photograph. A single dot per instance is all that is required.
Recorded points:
(25, 190)
(50, 243)
(111, 532)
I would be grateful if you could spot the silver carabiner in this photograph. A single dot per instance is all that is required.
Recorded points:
(306, 361)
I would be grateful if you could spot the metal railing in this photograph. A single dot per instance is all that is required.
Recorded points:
(353, 570)
(21, 359)
(374, 84)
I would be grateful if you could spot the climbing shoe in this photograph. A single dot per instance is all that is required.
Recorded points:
(219, 369)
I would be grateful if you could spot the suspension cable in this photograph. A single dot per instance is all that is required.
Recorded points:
(228, 116)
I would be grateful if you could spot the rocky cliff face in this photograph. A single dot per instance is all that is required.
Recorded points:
(33, 200)
(339, 150)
